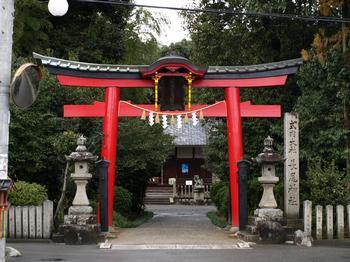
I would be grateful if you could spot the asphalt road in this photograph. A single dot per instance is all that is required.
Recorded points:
(262, 253)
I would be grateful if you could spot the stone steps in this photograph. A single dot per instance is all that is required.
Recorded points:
(159, 195)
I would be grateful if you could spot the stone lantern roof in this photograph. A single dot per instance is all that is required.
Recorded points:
(268, 155)
(81, 153)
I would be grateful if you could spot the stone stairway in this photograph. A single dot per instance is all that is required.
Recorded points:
(159, 195)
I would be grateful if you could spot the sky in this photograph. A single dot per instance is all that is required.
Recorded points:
(174, 32)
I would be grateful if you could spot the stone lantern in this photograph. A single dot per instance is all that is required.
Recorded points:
(268, 217)
(80, 225)
(268, 179)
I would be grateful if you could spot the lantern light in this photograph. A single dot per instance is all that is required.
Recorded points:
(58, 7)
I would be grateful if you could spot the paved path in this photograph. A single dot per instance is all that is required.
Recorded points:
(174, 226)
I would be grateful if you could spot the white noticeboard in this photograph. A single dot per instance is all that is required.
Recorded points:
(189, 182)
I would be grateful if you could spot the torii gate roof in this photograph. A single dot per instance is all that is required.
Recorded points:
(58, 66)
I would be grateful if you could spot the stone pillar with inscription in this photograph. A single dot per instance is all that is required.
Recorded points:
(291, 165)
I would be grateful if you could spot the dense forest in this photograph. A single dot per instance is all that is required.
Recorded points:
(320, 92)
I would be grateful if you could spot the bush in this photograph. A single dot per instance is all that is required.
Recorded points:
(122, 201)
(327, 185)
(123, 222)
(219, 194)
(217, 220)
(27, 194)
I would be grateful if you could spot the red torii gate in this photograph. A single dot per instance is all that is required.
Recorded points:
(114, 77)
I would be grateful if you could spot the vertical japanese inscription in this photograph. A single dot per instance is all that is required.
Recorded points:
(291, 165)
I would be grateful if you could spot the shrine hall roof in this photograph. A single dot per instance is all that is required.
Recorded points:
(74, 68)
(189, 135)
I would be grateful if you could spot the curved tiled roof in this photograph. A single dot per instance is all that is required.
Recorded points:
(255, 68)
(75, 68)
(189, 135)
(81, 66)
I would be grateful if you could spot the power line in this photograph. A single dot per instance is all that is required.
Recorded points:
(224, 11)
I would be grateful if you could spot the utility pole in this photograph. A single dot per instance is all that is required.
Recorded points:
(6, 30)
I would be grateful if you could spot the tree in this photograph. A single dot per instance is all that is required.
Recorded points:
(142, 150)
(332, 43)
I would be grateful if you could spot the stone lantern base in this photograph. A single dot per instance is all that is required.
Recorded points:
(80, 230)
(268, 224)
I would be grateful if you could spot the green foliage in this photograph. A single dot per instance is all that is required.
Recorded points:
(122, 200)
(27, 194)
(217, 220)
(123, 222)
(89, 32)
(141, 152)
(326, 183)
(216, 151)
(140, 35)
(40, 136)
(222, 39)
(320, 107)
(31, 27)
(219, 195)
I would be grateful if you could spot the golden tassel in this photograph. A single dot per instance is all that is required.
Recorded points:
(201, 115)
(186, 119)
(172, 121)
(156, 84)
(189, 98)
(143, 116)
(157, 121)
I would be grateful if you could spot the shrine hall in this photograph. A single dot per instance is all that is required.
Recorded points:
(172, 79)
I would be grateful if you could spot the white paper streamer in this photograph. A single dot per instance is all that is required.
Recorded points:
(164, 121)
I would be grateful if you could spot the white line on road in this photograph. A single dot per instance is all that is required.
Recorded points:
(175, 246)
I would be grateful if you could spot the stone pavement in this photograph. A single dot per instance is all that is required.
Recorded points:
(176, 227)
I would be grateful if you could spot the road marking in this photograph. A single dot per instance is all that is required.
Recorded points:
(176, 246)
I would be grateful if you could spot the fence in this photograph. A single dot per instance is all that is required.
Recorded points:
(31, 222)
(326, 230)
(184, 193)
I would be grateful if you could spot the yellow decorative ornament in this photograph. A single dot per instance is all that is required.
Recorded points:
(156, 87)
(189, 98)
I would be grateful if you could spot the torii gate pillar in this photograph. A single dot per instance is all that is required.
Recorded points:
(109, 143)
(235, 148)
